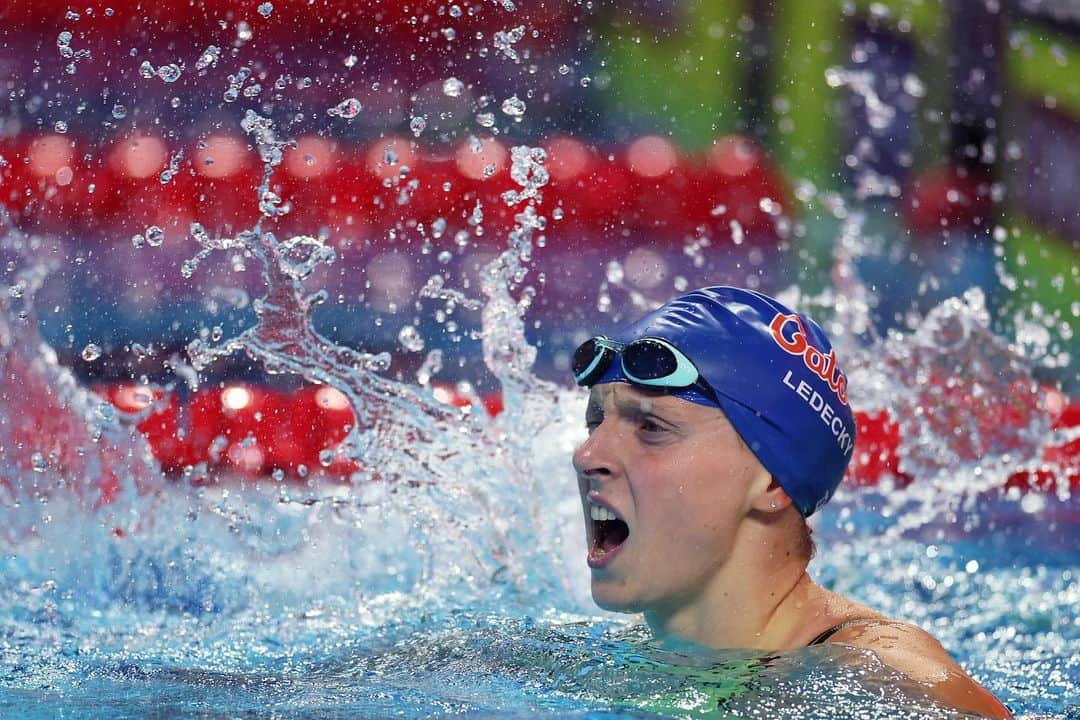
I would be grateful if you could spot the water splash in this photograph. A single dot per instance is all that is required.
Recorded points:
(285, 341)
(445, 507)
(76, 444)
(968, 409)
(450, 470)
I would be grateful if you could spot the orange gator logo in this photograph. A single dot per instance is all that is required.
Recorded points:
(824, 366)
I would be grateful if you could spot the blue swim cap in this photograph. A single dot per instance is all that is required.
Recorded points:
(776, 379)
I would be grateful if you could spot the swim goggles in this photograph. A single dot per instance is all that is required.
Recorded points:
(649, 361)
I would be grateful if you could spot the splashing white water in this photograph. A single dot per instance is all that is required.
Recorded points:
(59, 443)
(969, 410)
(433, 472)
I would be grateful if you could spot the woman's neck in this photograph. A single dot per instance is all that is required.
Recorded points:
(757, 599)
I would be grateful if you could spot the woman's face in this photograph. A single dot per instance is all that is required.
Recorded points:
(664, 485)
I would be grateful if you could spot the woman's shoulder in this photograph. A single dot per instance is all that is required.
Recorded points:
(911, 649)
(918, 654)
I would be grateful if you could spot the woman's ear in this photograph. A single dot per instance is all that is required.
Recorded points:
(772, 499)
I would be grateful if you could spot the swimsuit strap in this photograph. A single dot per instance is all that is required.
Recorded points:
(835, 629)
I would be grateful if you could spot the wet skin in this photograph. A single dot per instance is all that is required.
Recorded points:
(680, 477)
(708, 554)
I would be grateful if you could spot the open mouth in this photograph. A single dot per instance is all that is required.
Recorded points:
(609, 532)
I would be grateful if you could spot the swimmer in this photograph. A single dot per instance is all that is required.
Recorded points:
(717, 425)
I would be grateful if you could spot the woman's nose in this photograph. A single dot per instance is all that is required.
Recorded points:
(596, 456)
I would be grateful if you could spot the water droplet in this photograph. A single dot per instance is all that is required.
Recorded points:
(514, 107)
(138, 240)
(169, 73)
(91, 352)
(614, 273)
(438, 227)
(527, 170)
(60, 126)
(63, 39)
(119, 111)
(557, 213)
(913, 86)
(278, 474)
(350, 61)
(417, 125)
(1033, 503)
(564, 69)
(265, 9)
(585, 81)
(326, 457)
(243, 31)
(347, 109)
(37, 461)
(155, 236)
(410, 339)
(146, 69)
(198, 232)
(737, 236)
(1060, 56)
(805, 190)
(504, 41)
(455, 11)
(208, 58)
(485, 119)
(769, 206)
(445, 257)
(452, 87)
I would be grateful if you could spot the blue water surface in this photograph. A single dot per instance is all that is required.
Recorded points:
(171, 630)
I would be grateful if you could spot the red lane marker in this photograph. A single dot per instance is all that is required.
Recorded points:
(255, 430)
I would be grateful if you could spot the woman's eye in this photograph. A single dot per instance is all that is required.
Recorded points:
(651, 426)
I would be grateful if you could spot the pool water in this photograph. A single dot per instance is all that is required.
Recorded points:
(467, 595)
(447, 578)
(196, 622)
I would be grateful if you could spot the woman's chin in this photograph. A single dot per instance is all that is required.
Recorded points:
(611, 600)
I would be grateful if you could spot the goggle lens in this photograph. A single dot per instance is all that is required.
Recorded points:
(648, 361)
